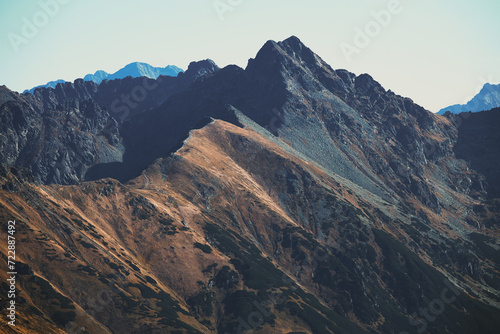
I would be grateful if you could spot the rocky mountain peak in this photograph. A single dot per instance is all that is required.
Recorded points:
(285, 55)
(294, 43)
(301, 53)
(6, 94)
(200, 68)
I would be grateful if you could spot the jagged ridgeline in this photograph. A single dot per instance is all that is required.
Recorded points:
(286, 197)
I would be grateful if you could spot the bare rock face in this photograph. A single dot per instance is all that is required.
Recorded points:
(286, 197)
(60, 144)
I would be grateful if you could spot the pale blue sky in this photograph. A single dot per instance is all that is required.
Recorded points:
(436, 52)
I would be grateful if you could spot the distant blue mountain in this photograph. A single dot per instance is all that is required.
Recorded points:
(51, 84)
(133, 70)
(97, 77)
(488, 98)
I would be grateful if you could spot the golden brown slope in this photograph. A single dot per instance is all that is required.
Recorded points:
(203, 238)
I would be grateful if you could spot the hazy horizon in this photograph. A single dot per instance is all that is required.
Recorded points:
(437, 54)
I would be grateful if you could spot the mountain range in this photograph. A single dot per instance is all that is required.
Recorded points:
(488, 98)
(133, 70)
(284, 197)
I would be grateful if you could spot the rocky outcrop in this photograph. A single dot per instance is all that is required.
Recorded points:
(60, 144)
